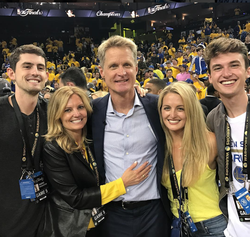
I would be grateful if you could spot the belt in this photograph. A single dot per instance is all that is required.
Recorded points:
(130, 205)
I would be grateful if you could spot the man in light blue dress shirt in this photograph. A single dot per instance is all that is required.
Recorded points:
(125, 129)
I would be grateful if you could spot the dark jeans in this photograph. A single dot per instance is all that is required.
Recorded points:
(212, 227)
(147, 221)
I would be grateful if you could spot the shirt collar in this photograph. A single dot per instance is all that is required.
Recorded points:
(111, 109)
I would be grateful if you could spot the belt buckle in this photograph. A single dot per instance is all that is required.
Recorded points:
(123, 206)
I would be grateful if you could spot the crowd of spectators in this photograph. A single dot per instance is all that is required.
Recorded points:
(163, 59)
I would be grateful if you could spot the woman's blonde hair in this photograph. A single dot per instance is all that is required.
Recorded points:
(56, 107)
(195, 145)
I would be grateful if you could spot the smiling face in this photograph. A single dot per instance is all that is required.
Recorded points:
(173, 113)
(119, 70)
(30, 74)
(228, 74)
(74, 116)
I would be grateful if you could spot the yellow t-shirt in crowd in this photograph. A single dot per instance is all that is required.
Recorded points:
(6, 50)
(193, 54)
(52, 76)
(49, 48)
(247, 27)
(55, 49)
(200, 89)
(89, 80)
(172, 51)
(105, 87)
(60, 43)
(4, 43)
(175, 72)
(7, 78)
(95, 51)
(77, 64)
(93, 66)
(57, 77)
(181, 41)
(179, 60)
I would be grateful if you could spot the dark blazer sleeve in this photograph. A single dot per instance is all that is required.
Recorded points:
(69, 177)
(96, 125)
(150, 105)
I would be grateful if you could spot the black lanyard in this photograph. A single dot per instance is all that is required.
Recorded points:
(246, 149)
(178, 193)
(28, 153)
(92, 162)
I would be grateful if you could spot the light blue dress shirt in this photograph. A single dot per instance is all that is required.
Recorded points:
(129, 138)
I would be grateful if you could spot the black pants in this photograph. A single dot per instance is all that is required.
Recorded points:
(94, 232)
(147, 221)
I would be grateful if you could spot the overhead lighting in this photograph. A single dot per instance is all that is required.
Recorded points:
(70, 13)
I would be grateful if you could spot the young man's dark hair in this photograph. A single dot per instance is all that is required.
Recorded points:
(199, 48)
(225, 45)
(159, 84)
(210, 89)
(211, 100)
(74, 75)
(30, 49)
